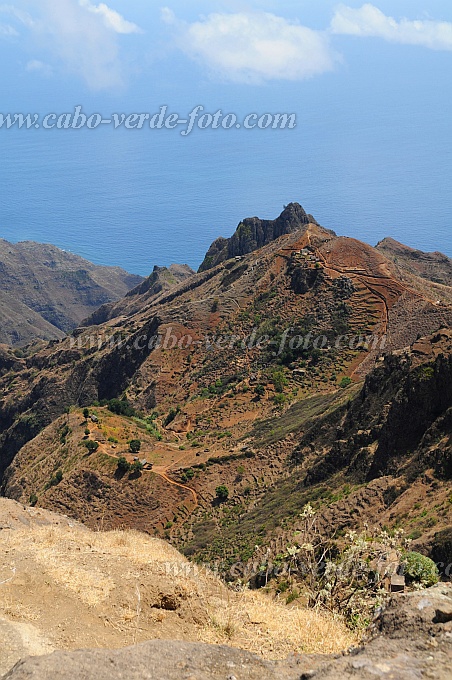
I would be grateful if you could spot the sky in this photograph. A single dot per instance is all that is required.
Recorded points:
(371, 76)
(126, 47)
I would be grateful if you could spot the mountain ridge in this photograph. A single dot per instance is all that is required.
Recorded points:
(46, 292)
(211, 413)
(253, 233)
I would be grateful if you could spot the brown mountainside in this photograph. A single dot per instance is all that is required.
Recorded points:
(46, 292)
(159, 282)
(435, 267)
(213, 407)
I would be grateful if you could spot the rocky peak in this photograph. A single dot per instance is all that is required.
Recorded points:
(162, 278)
(253, 233)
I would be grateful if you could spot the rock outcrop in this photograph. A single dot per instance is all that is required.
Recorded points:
(160, 281)
(254, 233)
(411, 639)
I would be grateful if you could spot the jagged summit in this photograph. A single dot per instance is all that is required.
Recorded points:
(254, 233)
(160, 281)
(161, 278)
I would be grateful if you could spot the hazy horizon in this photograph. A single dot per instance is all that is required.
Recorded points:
(370, 156)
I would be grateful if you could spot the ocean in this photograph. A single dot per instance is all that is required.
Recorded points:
(364, 162)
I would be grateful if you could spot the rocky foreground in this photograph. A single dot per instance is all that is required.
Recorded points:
(412, 639)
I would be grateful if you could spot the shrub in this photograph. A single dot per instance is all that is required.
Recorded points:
(345, 382)
(420, 569)
(33, 500)
(222, 492)
(55, 480)
(86, 413)
(171, 416)
(121, 407)
(135, 446)
(279, 399)
(259, 390)
(279, 381)
(87, 432)
(137, 466)
(293, 595)
(64, 432)
(123, 464)
(91, 446)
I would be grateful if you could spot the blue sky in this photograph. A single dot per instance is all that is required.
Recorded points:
(123, 49)
(370, 83)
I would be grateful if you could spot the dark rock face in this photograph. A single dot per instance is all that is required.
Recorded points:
(254, 233)
(441, 549)
(303, 280)
(403, 408)
(411, 639)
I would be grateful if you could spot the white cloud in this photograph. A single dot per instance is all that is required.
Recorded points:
(9, 31)
(22, 16)
(254, 47)
(369, 21)
(111, 18)
(36, 66)
(82, 38)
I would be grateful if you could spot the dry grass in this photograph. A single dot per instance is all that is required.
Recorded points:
(256, 622)
(116, 580)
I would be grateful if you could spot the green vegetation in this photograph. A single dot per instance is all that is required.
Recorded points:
(65, 431)
(420, 569)
(259, 391)
(123, 465)
(120, 407)
(171, 416)
(279, 399)
(345, 382)
(149, 425)
(426, 372)
(222, 493)
(293, 595)
(187, 475)
(55, 480)
(135, 446)
(91, 446)
(86, 413)
(137, 466)
(279, 381)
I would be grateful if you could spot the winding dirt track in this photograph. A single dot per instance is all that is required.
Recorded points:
(162, 471)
